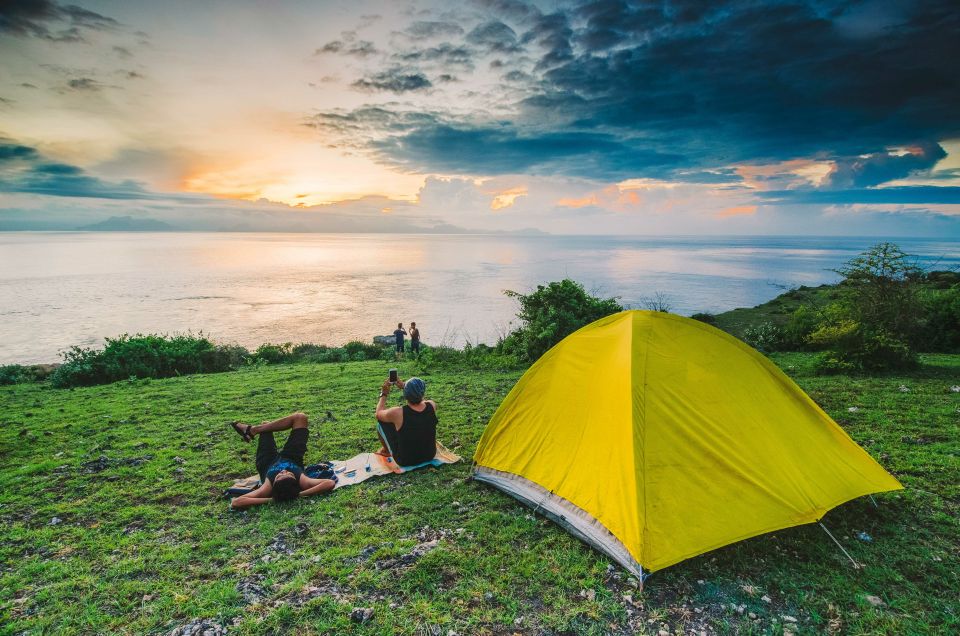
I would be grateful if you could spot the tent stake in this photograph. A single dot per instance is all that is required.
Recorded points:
(856, 566)
(874, 502)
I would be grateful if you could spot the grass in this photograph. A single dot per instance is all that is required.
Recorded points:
(776, 311)
(133, 471)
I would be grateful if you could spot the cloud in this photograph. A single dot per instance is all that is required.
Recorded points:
(708, 86)
(23, 169)
(84, 84)
(395, 80)
(422, 30)
(739, 210)
(49, 20)
(871, 170)
(494, 37)
(361, 49)
(888, 195)
(445, 54)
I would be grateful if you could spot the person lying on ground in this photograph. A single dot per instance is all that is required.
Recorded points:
(281, 473)
(408, 433)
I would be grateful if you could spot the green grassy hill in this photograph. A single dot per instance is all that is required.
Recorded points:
(113, 522)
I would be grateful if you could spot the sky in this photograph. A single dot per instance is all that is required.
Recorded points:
(626, 118)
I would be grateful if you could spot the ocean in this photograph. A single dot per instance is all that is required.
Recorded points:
(75, 288)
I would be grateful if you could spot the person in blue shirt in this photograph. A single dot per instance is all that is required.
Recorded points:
(281, 472)
(399, 333)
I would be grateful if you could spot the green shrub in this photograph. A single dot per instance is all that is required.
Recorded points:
(710, 319)
(14, 374)
(801, 323)
(358, 350)
(140, 356)
(550, 314)
(942, 320)
(764, 337)
(274, 353)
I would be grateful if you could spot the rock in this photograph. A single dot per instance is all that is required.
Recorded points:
(751, 615)
(876, 601)
(663, 632)
(518, 621)
(853, 409)
(488, 596)
(749, 589)
(863, 536)
(590, 595)
(765, 598)
(55, 521)
(361, 614)
(788, 619)
(179, 460)
(903, 388)
(741, 609)
(955, 389)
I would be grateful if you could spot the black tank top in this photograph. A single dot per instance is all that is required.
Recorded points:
(417, 438)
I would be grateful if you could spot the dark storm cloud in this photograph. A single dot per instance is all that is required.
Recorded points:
(425, 29)
(863, 172)
(394, 80)
(49, 20)
(708, 85)
(23, 169)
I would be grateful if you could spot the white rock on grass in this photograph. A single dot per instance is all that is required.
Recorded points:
(876, 601)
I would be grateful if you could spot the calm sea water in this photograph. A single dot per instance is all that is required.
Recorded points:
(62, 289)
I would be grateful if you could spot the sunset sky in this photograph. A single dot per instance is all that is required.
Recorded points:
(496, 115)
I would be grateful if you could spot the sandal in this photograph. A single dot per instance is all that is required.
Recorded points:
(243, 430)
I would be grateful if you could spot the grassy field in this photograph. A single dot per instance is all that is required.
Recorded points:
(113, 521)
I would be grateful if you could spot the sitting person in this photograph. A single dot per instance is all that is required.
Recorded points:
(408, 433)
(281, 473)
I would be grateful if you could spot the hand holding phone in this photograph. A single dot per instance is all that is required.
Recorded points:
(393, 376)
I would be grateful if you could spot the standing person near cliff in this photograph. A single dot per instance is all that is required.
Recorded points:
(399, 333)
(414, 339)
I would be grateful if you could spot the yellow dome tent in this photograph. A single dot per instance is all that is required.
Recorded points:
(656, 438)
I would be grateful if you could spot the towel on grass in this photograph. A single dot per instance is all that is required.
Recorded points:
(357, 469)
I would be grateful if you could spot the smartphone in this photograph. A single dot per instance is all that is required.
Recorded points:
(393, 375)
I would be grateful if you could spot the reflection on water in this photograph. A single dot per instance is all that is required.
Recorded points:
(61, 289)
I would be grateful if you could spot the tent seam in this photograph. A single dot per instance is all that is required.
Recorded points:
(646, 368)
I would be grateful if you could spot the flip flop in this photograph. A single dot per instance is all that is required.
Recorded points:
(244, 433)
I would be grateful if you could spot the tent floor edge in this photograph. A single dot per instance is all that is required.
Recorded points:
(572, 518)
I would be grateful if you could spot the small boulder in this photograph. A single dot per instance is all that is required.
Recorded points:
(361, 614)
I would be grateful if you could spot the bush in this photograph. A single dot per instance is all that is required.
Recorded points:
(150, 356)
(801, 323)
(942, 314)
(274, 353)
(550, 314)
(877, 320)
(14, 374)
(710, 319)
(764, 337)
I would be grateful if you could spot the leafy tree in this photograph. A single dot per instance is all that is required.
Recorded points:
(550, 314)
(877, 321)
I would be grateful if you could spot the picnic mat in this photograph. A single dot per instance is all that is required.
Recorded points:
(360, 468)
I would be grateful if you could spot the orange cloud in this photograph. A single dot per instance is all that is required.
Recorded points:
(507, 198)
(740, 210)
(614, 197)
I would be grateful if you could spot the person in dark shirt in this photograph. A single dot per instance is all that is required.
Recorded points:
(281, 472)
(408, 433)
(414, 339)
(399, 333)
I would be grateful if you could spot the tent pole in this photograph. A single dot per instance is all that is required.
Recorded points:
(856, 566)
(641, 578)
